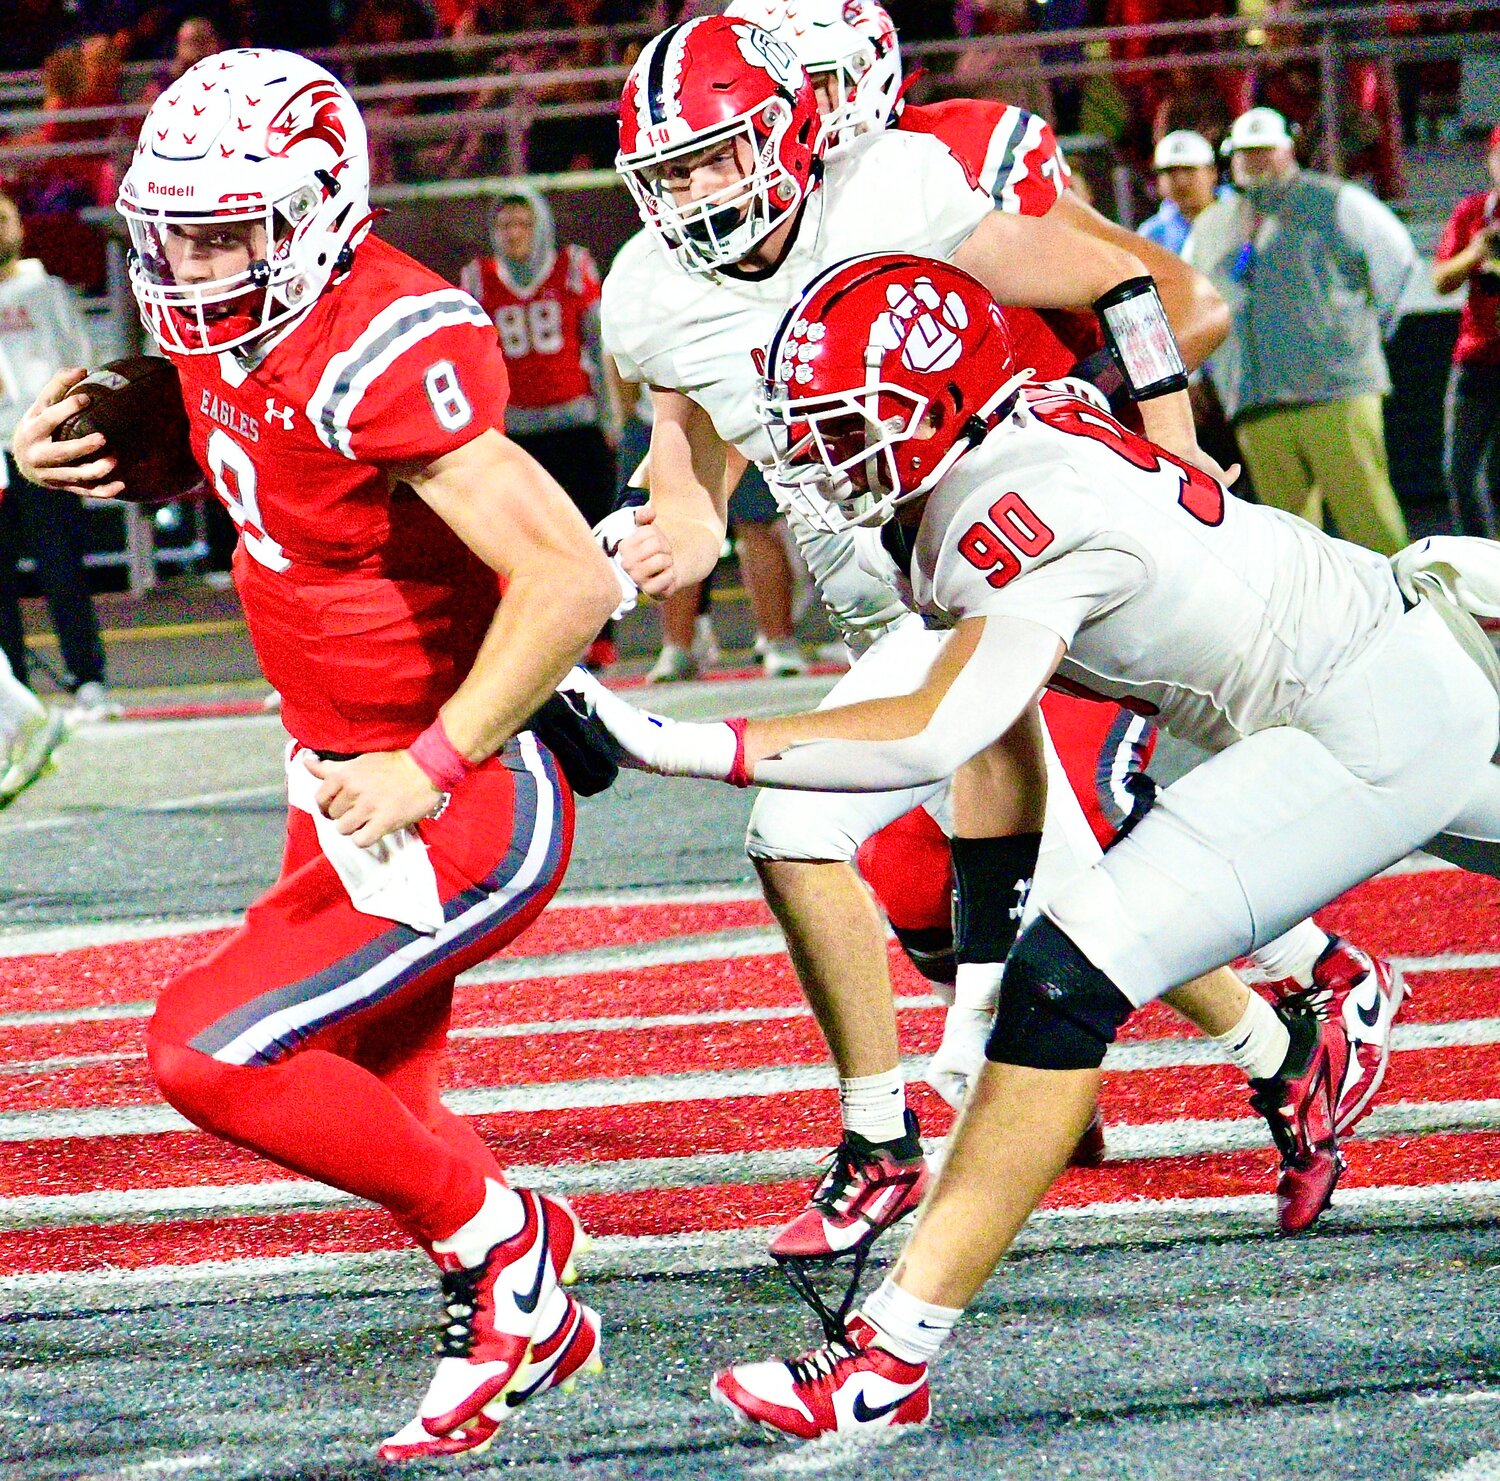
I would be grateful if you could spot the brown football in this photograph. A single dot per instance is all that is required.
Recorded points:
(137, 404)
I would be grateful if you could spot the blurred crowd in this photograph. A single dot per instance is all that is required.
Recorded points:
(544, 102)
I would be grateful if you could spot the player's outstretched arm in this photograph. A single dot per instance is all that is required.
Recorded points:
(1198, 315)
(691, 473)
(986, 676)
(73, 466)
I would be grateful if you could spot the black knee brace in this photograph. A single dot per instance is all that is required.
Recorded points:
(930, 949)
(1057, 1010)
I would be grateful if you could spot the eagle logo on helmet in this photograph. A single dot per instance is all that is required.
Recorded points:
(312, 112)
(923, 324)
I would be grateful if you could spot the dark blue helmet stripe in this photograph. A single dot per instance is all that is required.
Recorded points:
(656, 75)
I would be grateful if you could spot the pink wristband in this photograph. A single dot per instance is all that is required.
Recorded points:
(738, 776)
(439, 759)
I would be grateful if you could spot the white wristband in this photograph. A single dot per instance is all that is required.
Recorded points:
(977, 986)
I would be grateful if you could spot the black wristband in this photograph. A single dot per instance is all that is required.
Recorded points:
(1137, 334)
(991, 880)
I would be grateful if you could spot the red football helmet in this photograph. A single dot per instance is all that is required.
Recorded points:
(889, 369)
(715, 81)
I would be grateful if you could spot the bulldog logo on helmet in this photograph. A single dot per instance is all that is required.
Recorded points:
(761, 49)
(922, 324)
(311, 113)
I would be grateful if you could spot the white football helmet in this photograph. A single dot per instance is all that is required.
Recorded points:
(249, 136)
(854, 42)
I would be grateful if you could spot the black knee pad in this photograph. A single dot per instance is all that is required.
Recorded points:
(930, 950)
(1057, 1010)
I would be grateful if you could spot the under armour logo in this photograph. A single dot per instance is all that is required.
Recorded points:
(1023, 893)
(283, 414)
(921, 324)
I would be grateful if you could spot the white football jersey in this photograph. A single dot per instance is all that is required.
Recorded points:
(1173, 599)
(706, 336)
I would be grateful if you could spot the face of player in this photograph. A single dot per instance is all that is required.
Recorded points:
(515, 228)
(826, 90)
(1254, 168)
(209, 251)
(718, 169)
(1189, 187)
(10, 232)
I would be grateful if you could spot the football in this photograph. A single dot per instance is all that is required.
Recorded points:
(137, 404)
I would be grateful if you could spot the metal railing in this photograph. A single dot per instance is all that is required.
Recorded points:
(510, 105)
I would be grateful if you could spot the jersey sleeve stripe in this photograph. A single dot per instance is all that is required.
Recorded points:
(390, 334)
(1006, 156)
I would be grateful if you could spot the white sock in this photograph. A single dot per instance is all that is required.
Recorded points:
(874, 1105)
(17, 702)
(500, 1216)
(913, 1330)
(1294, 955)
(1257, 1044)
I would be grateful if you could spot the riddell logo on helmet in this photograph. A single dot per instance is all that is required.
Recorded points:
(152, 188)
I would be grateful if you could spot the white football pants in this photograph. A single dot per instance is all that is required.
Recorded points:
(1395, 750)
(829, 827)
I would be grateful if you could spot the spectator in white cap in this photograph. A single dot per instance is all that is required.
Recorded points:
(1313, 269)
(1187, 175)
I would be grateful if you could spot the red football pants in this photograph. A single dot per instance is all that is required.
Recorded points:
(317, 1035)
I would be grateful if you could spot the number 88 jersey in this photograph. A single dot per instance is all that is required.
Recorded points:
(365, 609)
(541, 324)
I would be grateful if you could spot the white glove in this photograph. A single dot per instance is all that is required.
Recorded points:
(610, 530)
(955, 1067)
(713, 748)
(960, 1057)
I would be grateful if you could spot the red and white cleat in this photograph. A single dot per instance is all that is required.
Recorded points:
(1365, 994)
(492, 1310)
(566, 1241)
(869, 1187)
(570, 1351)
(842, 1388)
(1299, 1108)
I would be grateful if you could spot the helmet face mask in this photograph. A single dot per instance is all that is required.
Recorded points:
(256, 150)
(835, 454)
(718, 140)
(888, 371)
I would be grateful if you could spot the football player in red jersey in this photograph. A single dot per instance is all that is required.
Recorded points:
(544, 300)
(346, 404)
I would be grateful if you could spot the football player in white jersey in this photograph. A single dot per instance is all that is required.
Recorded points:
(721, 148)
(1348, 723)
(852, 55)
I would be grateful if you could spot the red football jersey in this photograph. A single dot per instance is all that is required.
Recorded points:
(365, 609)
(540, 326)
(1015, 156)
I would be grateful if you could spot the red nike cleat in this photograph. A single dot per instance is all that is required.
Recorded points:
(1365, 993)
(491, 1313)
(842, 1388)
(1299, 1108)
(869, 1187)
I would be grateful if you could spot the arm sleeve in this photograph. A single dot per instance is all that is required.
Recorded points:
(1386, 245)
(425, 377)
(1008, 668)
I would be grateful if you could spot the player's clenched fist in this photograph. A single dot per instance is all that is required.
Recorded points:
(77, 465)
(644, 554)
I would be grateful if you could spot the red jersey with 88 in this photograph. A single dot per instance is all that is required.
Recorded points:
(541, 325)
(365, 609)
